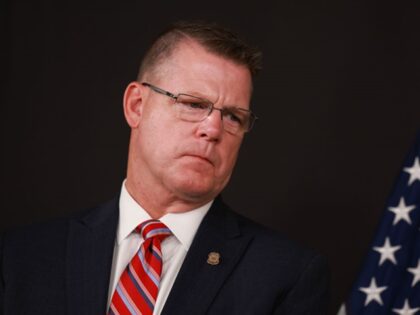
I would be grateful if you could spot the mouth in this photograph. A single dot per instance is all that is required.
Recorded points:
(199, 157)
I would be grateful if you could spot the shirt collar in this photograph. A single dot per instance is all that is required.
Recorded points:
(183, 225)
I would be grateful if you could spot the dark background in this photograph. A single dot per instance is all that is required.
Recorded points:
(338, 101)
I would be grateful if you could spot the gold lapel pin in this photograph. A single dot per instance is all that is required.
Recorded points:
(213, 258)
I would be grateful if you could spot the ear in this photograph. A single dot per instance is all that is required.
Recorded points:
(133, 104)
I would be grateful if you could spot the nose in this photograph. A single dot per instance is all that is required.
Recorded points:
(211, 128)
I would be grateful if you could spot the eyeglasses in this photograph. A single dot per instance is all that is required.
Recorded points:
(194, 109)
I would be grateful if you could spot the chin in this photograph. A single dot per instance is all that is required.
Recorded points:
(197, 190)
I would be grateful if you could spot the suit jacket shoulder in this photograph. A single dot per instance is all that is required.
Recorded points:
(61, 266)
(259, 271)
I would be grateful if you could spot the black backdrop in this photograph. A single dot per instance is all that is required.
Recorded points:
(338, 100)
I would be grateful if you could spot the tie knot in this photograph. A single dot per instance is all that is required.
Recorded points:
(153, 228)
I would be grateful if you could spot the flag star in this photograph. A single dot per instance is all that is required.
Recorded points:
(414, 171)
(416, 273)
(387, 252)
(402, 212)
(373, 292)
(406, 310)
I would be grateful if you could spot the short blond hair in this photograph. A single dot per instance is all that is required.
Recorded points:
(213, 37)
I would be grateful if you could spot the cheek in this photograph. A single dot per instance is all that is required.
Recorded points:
(159, 133)
(162, 146)
(228, 159)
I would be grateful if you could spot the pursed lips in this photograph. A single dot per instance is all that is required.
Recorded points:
(208, 160)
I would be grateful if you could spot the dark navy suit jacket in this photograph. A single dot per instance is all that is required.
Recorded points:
(63, 267)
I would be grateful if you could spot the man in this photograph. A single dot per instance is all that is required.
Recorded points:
(169, 245)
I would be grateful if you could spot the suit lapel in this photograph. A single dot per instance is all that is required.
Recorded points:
(89, 259)
(198, 282)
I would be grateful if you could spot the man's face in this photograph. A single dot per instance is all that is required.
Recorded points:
(189, 160)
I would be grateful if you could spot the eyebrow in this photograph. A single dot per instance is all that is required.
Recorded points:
(199, 95)
(196, 94)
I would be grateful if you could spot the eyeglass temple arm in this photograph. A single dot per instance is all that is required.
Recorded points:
(159, 90)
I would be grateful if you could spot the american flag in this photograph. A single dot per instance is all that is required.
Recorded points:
(389, 282)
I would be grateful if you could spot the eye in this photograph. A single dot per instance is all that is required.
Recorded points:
(233, 117)
(192, 103)
(195, 105)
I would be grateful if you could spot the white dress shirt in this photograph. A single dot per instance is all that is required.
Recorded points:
(174, 248)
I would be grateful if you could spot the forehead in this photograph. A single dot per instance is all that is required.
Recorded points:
(193, 69)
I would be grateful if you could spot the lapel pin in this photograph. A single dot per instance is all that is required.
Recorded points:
(213, 258)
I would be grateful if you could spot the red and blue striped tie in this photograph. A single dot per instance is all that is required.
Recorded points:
(137, 290)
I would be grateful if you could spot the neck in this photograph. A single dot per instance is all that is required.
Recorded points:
(157, 202)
